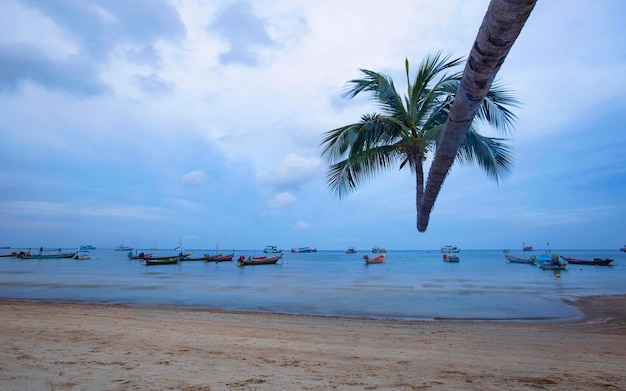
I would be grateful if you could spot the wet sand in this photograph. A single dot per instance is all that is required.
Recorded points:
(62, 346)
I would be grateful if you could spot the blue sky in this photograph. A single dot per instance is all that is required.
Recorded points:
(130, 122)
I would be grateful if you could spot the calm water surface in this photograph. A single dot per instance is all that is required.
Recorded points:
(409, 285)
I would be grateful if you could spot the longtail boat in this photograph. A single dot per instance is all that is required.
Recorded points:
(378, 259)
(251, 261)
(593, 262)
(170, 261)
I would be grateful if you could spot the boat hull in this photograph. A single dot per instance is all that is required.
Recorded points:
(591, 262)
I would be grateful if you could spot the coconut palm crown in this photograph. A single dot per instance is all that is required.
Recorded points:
(405, 131)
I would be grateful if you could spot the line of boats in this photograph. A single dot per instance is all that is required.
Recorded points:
(552, 261)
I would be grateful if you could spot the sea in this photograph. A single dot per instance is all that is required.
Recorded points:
(413, 284)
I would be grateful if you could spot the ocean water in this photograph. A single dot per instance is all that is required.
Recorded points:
(409, 285)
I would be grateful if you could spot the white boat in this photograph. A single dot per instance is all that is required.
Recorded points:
(526, 248)
(87, 247)
(378, 250)
(123, 248)
(81, 255)
(450, 249)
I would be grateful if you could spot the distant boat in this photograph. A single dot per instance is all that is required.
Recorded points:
(593, 262)
(623, 248)
(123, 248)
(304, 250)
(526, 248)
(252, 261)
(87, 247)
(351, 250)
(378, 250)
(378, 259)
(450, 257)
(447, 249)
(272, 250)
(155, 248)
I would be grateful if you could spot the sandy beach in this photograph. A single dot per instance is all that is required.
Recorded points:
(59, 346)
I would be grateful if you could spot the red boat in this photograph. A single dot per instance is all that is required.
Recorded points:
(242, 261)
(593, 262)
(219, 257)
(378, 259)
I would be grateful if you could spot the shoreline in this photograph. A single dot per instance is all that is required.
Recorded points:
(71, 346)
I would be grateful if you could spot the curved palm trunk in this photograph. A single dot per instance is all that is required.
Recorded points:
(500, 28)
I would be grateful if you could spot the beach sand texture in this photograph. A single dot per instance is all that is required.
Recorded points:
(64, 346)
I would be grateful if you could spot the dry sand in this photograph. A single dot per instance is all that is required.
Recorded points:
(56, 346)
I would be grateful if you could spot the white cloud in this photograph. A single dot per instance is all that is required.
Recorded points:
(281, 200)
(302, 225)
(294, 170)
(193, 178)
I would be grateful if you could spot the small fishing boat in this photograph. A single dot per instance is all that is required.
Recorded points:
(141, 255)
(81, 255)
(219, 257)
(378, 259)
(87, 247)
(351, 250)
(450, 258)
(526, 247)
(378, 250)
(550, 262)
(513, 259)
(263, 260)
(123, 248)
(170, 261)
(593, 262)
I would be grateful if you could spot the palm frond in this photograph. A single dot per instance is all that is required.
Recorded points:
(496, 108)
(382, 89)
(346, 175)
(492, 155)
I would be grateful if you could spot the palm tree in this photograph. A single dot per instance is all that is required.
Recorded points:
(405, 131)
(501, 26)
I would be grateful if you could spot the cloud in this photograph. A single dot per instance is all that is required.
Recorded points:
(293, 171)
(244, 31)
(77, 38)
(301, 225)
(193, 178)
(281, 200)
(152, 84)
(22, 62)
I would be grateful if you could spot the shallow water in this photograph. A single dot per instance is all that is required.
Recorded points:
(409, 285)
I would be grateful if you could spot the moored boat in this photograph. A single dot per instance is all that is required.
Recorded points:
(378, 250)
(592, 262)
(81, 255)
(304, 250)
(219, 257)
(447, 249)
(351, 250)
(87, 247)
(272, 250)
(378, 259)
(550, 262)
(526, 247)
(263, 260)
(513, 259)
(450, 258)
(123, 248)
(169, 261)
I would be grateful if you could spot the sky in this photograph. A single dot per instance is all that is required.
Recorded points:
(150, 122)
